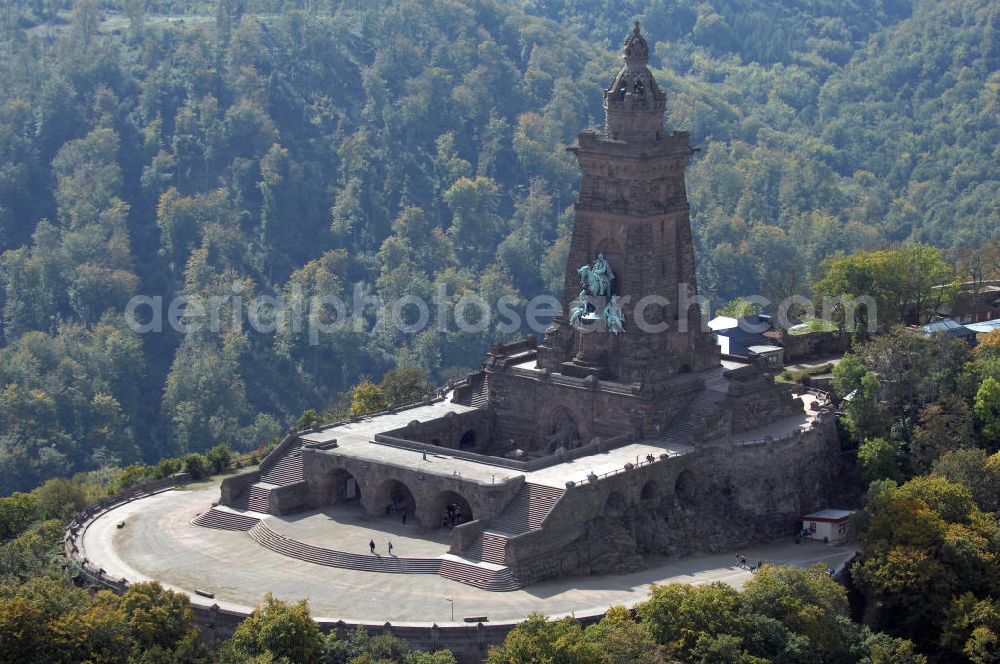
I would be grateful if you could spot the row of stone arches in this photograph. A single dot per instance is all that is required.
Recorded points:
(393, 498)
(684, 489)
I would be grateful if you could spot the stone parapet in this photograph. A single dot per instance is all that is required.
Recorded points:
(234, 485)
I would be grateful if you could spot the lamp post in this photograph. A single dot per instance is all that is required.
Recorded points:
(451, 600)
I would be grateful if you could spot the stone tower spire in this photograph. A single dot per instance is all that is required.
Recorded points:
(634, 104)
(631, 256)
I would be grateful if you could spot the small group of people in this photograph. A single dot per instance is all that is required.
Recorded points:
(742, 563)
(453, 517)
(388, 546)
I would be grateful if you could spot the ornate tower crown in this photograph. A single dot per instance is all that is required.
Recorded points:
(635, 46)
(634, 104)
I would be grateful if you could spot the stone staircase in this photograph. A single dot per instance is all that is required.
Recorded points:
(475, 393)
(288, 469)
(525, 512)
(480, 397)
(488, 547)
(225, 520)
(493, 580)
(684, 428)
(284, 470)
(485, 577)
(255, 498)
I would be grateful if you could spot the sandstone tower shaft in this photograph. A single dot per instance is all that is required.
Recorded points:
(633, 209)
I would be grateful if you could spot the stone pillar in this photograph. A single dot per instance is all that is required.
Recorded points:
(426, 515)
(591, 357)
(370, 503)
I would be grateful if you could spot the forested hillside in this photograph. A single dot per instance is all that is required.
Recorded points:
(296, 149)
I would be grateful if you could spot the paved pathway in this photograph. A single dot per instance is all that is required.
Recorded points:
(158, 542)
(347, 528)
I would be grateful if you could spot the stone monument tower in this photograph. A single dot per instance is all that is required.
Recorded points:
(630, 281)
(621, 434)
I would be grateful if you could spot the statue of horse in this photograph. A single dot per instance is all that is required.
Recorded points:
(597, 277)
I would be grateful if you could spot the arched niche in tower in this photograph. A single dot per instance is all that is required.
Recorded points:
(562, 431)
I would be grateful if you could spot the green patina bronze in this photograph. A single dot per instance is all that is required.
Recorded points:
(583, 307)
(614, 317)
(596, 278)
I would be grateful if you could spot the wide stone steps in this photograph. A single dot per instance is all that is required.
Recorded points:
(255, 498)
(524, 513)
(286, 470)
(223, 520)
(527, 510)
(683, 429)
(474, 392)
(496, 580)
(488, 547)
(502, 580)
(480, 395)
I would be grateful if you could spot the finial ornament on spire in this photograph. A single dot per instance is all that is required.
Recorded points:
(635, 45)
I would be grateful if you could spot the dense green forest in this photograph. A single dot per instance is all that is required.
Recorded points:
(300, 149)
(241, 148)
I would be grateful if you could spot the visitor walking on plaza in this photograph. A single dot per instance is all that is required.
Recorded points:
(371, 545)
(389, 546)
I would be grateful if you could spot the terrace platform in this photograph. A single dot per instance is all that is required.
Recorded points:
(159, 542)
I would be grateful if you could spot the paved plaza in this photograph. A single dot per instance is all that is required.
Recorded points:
(158, 542)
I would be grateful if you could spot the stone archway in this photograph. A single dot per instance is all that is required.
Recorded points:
(344, 488)
(394, 499)
(615, 506)
(686, 488)
(650, 491)
(468, 440)
(450, 509)
(562, 432)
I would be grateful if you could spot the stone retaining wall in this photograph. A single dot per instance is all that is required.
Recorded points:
(84, 572)
(814, 345)
(234, 485)
(469, 643)
(677, 506)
